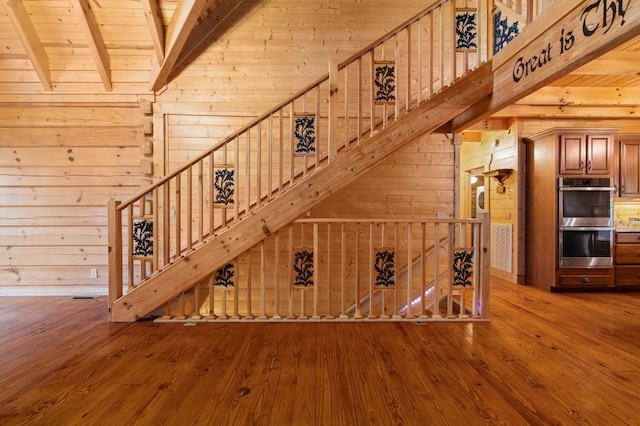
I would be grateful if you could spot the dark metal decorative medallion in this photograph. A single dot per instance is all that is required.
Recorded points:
(303, 268)
(503, 32)
(462, 267)
(305, 134)
(385, 267)
(224, 276)
(224, 186)
(466, 30)
(143, 238)
(385, 82)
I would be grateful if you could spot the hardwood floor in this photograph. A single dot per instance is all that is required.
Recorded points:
(543, 359)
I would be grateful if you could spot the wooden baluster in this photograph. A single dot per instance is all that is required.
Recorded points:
(347, 110)
(357, 266)
(223, 303)
(178, 216)
(211, 281)
(430, 51)
(259, 165)
(292, 146)
(280, 150)
(396, 232)
(130, 246)
(423, 272)
(318, 129)
(329, 314)
(277, 267)
(166, 223)
(372, 94)
(436, 274)
(236, 168)
(409, 270)
(270, 158)
(290, 278)
(236, 290)
(408, 75)
(484, 249)
(189, 208)
(249, 315)
(343, 268)
(475, 229)
(397, 65)
(453, 60)
(372, 260)
(212, 195)
(452, 244)
(115, 251)
(419, 54)
(359, 112)
(200, 201)
(248, 174)
(263, 282)
(332, 134)
(316, 270)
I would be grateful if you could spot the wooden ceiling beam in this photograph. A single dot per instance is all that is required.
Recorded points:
(583, 96)
(208, 26)
(90, 28)
(184, 20)
(568, 111)
(30, 40)
(152, 14)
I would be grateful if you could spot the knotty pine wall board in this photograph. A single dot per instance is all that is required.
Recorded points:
(59, 167)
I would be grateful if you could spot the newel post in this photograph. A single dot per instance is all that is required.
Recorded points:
(485, 267)
(115, 252)
(333, 109)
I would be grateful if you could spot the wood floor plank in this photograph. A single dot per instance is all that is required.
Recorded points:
(544, 358)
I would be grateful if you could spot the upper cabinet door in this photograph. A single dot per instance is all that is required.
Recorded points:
(584, 154)
(573, 154)
(599, 154)
(630, 168)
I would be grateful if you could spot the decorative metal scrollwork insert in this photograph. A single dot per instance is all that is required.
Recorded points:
(385, 82)
(224, 185)
(303, 268)
(466, 30)
(305, 134)
(224, 276)
(143, 238)
(463, 267)
(385, 267)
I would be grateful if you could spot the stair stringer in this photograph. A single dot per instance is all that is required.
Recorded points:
(230, 242)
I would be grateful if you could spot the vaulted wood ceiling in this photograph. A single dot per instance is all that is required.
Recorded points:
(48, 42)
(121, 46)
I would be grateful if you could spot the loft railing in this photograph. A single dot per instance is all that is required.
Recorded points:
(324, 269)
(526, 9)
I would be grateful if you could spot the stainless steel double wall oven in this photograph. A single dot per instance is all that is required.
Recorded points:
(585, 222)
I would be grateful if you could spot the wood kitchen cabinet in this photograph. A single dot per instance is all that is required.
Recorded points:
(627, 258)
(586, 153)
(555, 153)
(629, 165)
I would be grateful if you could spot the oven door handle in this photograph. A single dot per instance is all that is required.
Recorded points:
(586, 228)
(589, 188)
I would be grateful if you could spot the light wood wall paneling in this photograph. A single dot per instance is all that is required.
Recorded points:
(59, 167)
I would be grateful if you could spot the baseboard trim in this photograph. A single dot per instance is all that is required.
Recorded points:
(70, 291)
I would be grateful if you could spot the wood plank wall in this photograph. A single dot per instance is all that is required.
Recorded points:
(59, 166)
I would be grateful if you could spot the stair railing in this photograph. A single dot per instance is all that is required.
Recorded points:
(322, 269)
(359, 96)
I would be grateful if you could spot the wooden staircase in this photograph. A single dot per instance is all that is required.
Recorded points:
(231, 241)
(402, 86)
